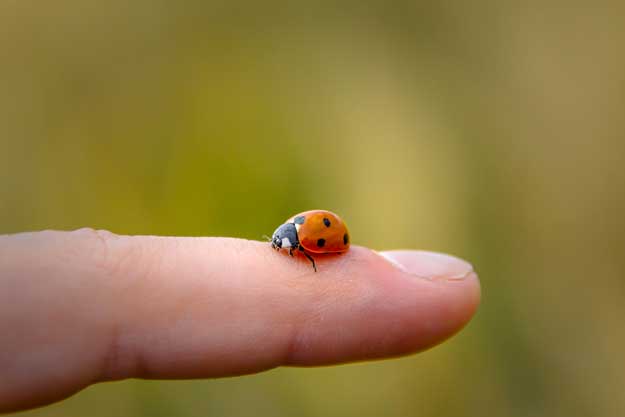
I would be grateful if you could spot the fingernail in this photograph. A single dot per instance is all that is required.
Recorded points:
(429, 265)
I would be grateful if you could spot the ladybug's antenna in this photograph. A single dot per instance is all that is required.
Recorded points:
(267, 238)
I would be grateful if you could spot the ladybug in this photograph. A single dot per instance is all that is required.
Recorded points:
(314, 231)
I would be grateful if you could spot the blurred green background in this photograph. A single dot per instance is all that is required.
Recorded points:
(494, 130)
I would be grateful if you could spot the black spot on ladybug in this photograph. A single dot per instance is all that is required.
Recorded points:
(345, 239)
(326, 221)
(321, 242)
(299, 219)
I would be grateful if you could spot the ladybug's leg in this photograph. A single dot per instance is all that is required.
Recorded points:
(291, 251)
(310, 258)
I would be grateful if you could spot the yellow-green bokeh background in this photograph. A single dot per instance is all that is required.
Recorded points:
(494, 130)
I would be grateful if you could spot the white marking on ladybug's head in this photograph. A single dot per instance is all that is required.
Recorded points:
(286, 243)
(297, 226)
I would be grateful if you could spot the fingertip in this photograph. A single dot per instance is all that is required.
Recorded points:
(456, 276)
(447, 284)
(377, 306)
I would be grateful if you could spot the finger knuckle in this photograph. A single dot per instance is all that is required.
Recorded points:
(100, 249)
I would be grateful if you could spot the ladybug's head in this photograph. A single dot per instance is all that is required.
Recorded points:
(285, 236)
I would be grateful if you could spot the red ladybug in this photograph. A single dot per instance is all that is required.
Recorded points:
(314, 231)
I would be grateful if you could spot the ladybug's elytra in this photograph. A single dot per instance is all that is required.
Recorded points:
(314, 231)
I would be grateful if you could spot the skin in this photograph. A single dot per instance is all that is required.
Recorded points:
(82, 307)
